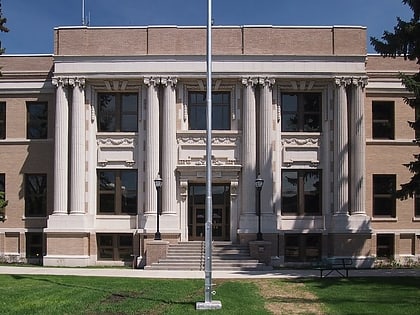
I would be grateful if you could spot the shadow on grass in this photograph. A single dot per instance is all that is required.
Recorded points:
(113, 297)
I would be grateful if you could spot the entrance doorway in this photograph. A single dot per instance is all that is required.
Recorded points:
(197, 212)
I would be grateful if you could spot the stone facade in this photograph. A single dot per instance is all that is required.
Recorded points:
(318, 160)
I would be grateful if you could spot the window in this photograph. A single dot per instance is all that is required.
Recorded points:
(118, 112)
(384, 196)
(35, 195)
(34, 245)
(385, 246)
(197, 110)
(115, 247)
(2, 182)
(301, 112)
(383, 120)
(37, 120)
(2, 120)
(301, 192)
(417, 205)
(117, 191)
(302, 247)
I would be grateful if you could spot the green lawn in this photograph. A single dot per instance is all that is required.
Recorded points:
(28, 294)
(373, 295)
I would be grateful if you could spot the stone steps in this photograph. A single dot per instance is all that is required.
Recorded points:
(190, 256)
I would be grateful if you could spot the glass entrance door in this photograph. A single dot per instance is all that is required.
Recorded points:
(197, 212)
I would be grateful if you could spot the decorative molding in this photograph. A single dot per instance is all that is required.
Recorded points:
(56, 81)
(169, 81)
(151, 81)
(266, 81)
(223, 140)
(249, 81)
(116, 141)
(183, 189)
(361, 81)
(80, 82)
(300, 141)
(234, 189)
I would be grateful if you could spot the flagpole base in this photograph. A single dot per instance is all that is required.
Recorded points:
(213, 305)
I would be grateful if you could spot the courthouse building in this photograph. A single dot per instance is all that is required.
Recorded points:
(84, 133)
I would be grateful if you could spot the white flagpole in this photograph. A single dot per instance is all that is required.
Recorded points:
(208, 303)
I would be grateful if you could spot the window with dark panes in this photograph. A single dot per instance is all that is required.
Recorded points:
(34, 245)
(35, 195)
(417, 205)
(384, 202)
(197, 110)
(118, 247)
(37, 120)
(2, 120)
(301, 112)
(118, 112)
(2, 182)
(117, 191)
(301, 192)
(383, 120)
(384, 245)
(302, 247)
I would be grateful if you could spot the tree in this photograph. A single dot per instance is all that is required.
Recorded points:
(405, 41)
(3, 27)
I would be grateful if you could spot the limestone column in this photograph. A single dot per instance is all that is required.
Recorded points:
(61, 147)
(152, 143)
(358, 147)
(266, 143)
(77, 148)
(169, 147)
(341, 150)
(249, 152)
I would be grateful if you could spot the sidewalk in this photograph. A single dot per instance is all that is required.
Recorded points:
(187, 274)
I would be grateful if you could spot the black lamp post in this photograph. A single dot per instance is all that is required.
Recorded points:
(259, 182)
(158, 185)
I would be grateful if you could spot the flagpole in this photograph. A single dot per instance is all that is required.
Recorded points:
(208, 303)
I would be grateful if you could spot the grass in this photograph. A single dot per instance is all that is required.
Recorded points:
(393, 295)
(27, 294)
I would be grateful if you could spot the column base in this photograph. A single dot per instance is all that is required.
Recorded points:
(212, 305)
(350, 223)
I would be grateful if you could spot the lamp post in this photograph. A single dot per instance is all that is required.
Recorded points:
(158, 185)
(259, 182)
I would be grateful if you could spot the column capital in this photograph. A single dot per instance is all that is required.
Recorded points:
(152, 81)
(267, 81)
(77, 82)
(169, 81)
(60, 81)
(361, 81)
(343, 81)
(249, 81)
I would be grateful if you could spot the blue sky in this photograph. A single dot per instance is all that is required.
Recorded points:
(31, 22)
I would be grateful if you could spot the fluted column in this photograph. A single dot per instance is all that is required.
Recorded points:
(249, 153)
(61, 147)
(266, 143)
(152, 143)
(169, 151)
(341, 150)
(77, 148)
(358, 147)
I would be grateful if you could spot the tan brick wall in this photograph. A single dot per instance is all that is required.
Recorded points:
(226, 41)
(41, 64)
(406, 244)
(378, 63)
(12, 243)
(350, 245)
(20, 156)
(68, 244)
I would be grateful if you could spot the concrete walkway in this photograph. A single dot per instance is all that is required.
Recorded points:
(187, 274)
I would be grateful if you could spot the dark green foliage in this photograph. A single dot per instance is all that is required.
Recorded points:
(405, 41)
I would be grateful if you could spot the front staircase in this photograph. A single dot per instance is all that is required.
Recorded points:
(190, 256)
